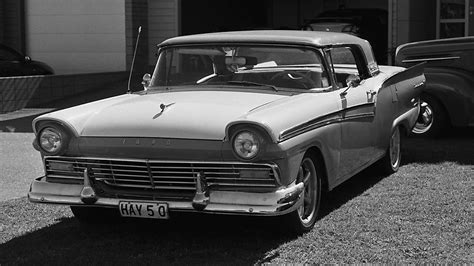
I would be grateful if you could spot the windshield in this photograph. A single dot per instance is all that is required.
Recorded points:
(262, 66)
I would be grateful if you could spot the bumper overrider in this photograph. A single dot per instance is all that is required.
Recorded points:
(279, 201)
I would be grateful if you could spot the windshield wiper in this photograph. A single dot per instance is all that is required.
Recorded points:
(250, 83)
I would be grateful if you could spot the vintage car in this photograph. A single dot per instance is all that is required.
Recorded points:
(13, 63)
(448, 97)
(250, 123)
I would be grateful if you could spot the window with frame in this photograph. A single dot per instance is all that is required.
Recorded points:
(344, 64)
(452, 18)
(245, 65)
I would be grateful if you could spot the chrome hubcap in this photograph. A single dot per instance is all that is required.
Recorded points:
(307, 175)
(395, 148)
(425, 119)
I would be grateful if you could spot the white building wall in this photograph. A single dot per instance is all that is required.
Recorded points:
(77, 36)
(163, 17)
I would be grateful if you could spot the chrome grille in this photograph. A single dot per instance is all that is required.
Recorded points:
(162, 175)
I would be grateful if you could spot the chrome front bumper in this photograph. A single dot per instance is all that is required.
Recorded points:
(279, 202)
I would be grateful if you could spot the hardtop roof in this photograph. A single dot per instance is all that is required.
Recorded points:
(313, 38)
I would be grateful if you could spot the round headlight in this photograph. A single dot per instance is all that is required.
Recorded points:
(51, 140)
(247, 144)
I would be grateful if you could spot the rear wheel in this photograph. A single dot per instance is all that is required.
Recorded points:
(303, 219)
(390, 163)
(95, 215)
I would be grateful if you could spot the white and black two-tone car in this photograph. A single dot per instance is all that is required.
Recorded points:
(252, 123)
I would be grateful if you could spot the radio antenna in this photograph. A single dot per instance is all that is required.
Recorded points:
(133, 60)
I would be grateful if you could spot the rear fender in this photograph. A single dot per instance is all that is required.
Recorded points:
(405, 88)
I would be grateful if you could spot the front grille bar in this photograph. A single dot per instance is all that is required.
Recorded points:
(150, 174)
(162, 175)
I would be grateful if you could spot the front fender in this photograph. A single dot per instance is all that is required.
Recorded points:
(263, 127)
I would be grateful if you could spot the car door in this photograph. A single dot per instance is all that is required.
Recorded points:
(358, 125)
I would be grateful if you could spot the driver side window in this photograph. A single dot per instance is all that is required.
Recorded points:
(344, 64)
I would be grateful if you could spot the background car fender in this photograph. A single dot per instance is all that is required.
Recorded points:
(453, 89)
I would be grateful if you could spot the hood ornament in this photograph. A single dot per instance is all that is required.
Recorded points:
(162, 107)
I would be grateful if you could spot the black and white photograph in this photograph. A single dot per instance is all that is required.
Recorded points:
(236, 132)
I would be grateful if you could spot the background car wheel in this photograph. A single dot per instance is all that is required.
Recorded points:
(95, 215)
(303, 219)
(390, 163)
(432, 119)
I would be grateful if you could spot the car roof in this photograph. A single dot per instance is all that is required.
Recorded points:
(312, 38)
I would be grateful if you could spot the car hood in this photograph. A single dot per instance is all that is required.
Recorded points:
(181, 114)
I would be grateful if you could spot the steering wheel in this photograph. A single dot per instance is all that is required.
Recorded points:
(298, 78)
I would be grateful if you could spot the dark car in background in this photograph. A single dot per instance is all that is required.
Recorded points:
(367, 23)
(13, 63)
(448, 97)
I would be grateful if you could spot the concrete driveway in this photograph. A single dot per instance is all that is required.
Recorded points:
(20, 163)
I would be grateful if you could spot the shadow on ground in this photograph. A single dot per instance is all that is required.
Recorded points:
(456, 146)
(185, 239)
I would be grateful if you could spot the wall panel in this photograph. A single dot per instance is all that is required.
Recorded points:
(77, 36)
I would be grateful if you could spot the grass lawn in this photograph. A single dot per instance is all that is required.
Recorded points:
(421, 214)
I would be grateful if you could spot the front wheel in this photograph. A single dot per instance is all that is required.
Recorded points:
(303, 219)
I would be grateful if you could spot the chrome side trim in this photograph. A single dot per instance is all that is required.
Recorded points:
(358, 116)
(336, 117)
(409, 115)
(419, 84)
(429, 59)
(306, 127)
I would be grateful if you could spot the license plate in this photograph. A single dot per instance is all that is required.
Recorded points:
(143, 209)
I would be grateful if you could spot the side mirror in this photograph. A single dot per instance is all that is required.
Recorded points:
(146, 81)
(27, 58)
(353, 80)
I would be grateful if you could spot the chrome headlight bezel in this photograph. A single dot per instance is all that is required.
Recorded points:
(247, 144)
(52, 139)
